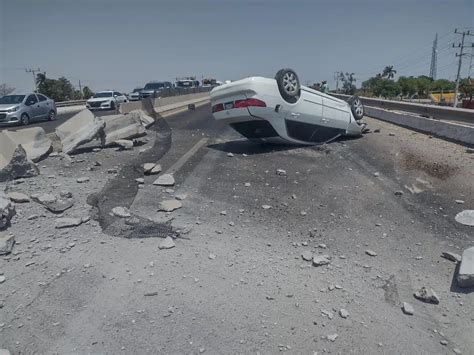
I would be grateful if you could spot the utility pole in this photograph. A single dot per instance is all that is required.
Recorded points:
(461, 46)
(80, 88)
(434, 58)
(34, 71)
(336, 76)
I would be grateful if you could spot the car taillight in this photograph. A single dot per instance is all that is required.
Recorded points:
(217, 108)
(249, 103)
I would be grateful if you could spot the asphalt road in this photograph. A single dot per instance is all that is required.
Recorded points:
(236, 283)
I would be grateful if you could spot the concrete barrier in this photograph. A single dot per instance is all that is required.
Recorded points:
(78, 130)
(119, 127)
(14, 162)
(439, 112)
(33, 140)
(161, 103)
(448, 130)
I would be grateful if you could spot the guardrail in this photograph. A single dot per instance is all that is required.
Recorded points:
(437, 112)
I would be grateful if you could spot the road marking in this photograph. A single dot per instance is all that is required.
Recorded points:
(181, 161)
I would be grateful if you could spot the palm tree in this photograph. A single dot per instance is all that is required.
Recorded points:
(389, 72)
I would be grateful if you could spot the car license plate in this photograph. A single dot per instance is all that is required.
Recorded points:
(229, 105)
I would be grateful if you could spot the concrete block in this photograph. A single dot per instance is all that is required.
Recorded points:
(78, 130)
(143, 117)
(465, 277)
(14, 162)
(449, 130)
(119, 127)
(33, 140)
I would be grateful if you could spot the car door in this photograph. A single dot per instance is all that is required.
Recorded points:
(118, 97)
(335, 113)
(44, 105)
(34, 107)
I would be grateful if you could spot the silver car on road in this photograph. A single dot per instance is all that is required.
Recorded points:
(25, 108)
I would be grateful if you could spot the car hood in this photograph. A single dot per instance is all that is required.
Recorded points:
(5, 107)
(100, 99)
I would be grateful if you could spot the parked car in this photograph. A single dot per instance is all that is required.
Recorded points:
(281, 110)
(187, 83)
(25, 108)
(106, 100)
(135, 94)
(153, 88)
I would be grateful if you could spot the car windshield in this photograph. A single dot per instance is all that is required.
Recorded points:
(11, 99)
(103, 94)
(137, 90)
(154, 86)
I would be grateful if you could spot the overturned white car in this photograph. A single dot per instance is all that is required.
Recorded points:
(280, 110)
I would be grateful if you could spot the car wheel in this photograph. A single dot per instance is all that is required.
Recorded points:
(288, 85)
(357, 107)
(25, 119)
(51, 115)
(112, 105)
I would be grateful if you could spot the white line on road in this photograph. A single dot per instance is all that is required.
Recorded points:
(181, 161)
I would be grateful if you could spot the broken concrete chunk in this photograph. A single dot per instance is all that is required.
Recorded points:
(307, 255)
(451, 256)
(465, 277)
(371, 253)
(145, 119)
(426, 295)
(121, 127)
(33, 140)
(319, 260)
(140, 180)
(14, 163)
(332, 337)
(465, 217)
(407, 308)
(170, 205)
(181, 197)
(67, 222)
(44, 198)
(83, 179)
(121, 212)
(65, 194)
(156, 169)
(147, 167)
(18, 197)
(266, 207)
(59, 206)
(6, 244)
(167, 243)
(124, 144)
(79, 130)
(281, 172)
(343, 313)
(7, 211)
(165, 180)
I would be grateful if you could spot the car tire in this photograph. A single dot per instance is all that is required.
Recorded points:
(288, 85)
(51, 115)
(25, 119)
(112, 105)
(357, 107)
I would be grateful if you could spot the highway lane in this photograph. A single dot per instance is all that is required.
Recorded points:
(236, 282)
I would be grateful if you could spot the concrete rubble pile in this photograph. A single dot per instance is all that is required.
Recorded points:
(14, 160)
(7, 211)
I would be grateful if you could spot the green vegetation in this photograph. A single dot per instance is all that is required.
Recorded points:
(60, 89)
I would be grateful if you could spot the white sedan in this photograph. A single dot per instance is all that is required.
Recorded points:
(106, 100)
(280, 110)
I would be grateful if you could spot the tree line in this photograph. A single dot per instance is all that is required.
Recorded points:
(384, 85)
(61, 89)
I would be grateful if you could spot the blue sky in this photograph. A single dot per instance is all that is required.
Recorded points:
(116, 44)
